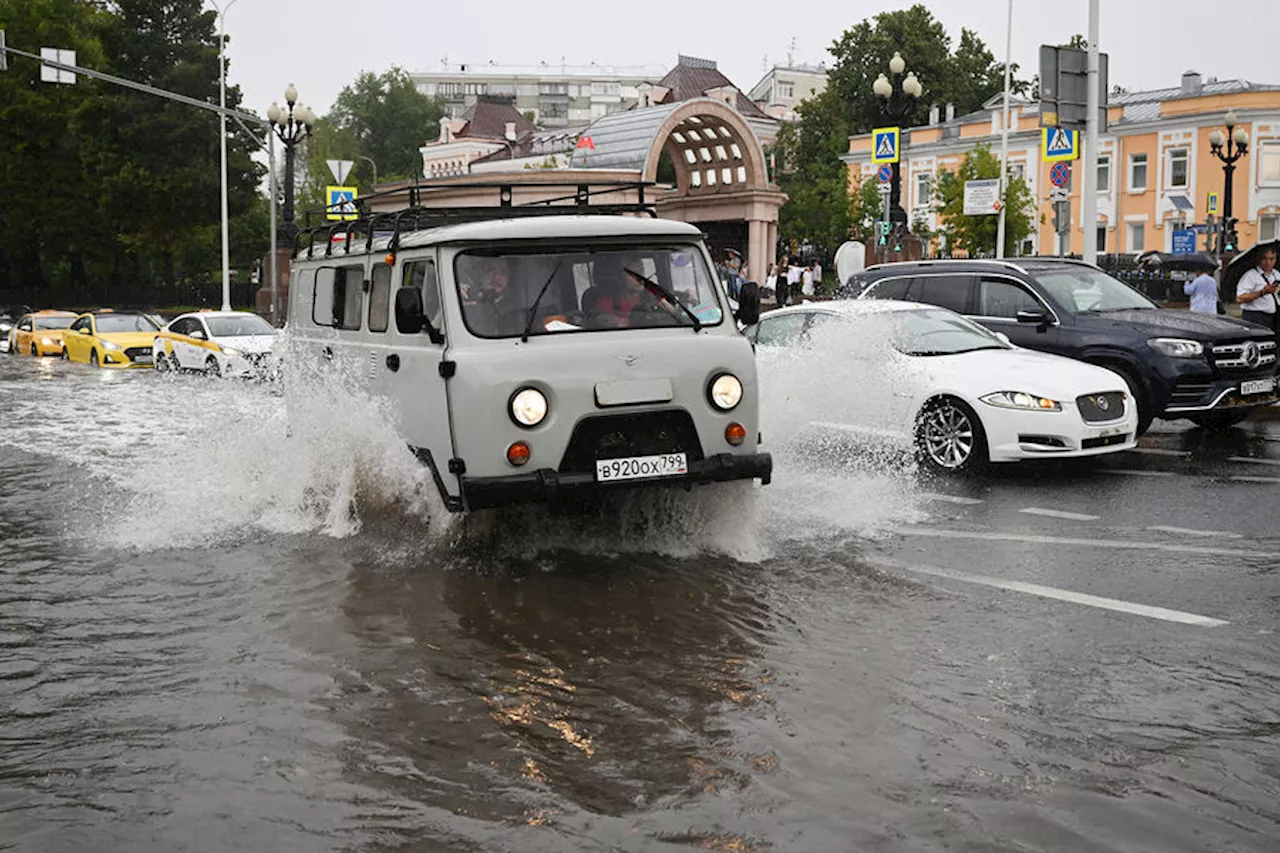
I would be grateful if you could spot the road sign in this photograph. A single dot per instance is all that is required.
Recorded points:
(981, 198)
(884, 144)
(885, 173)
(1060, 174)
(1064, 87)
(1212, 206)
(1059, 194)
(1184, 241)
(341, 203)
(340, 169)
(49, 74)
(1057, 144)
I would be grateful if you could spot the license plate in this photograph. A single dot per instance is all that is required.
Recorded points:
(1257, 386)
(142, 359)
(641, 467)
(1107, 433)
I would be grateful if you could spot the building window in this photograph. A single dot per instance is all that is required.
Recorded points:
(553, 109)
(1268, 228)
(924, 187)
(553, 88)
(1137, 173)
(1104, 173)
(1102, 239)
(1178, 168)
(1137, 232)
(786, 90)
(1269, 164)
(449, 90)
(1017, 171)
(476, 88)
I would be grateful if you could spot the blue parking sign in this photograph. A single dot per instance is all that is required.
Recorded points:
(1184, 241)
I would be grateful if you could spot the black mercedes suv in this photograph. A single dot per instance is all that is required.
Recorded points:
(1207, 368)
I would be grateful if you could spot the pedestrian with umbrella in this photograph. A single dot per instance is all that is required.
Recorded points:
(1203, 290)
(1256, 282)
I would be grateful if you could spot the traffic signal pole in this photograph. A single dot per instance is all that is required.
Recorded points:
(1089, 180)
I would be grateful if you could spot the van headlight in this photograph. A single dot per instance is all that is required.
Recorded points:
(725, 391)
(1176, 347)
(528, 407)
(1021, 400)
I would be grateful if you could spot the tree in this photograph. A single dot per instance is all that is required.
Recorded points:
(811, 171)
(976, 235)
(389, 119)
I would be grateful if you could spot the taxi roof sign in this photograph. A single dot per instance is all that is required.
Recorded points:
(884, 144)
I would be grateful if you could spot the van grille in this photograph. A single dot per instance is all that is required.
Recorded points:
(632, 434)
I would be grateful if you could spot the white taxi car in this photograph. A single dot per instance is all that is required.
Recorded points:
(220, 343)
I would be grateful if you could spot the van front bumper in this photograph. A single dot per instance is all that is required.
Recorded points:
(546, 484)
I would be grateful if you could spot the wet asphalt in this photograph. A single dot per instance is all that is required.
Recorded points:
(215, 635)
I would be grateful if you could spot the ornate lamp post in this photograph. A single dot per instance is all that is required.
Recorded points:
(897, 103)
(1236, 143)
(291, 125)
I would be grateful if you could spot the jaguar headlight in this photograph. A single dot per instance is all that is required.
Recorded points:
(1176, 347)
(528, 407)
(1021, 400)
(725, 391)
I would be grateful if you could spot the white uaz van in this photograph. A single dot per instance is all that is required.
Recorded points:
(539, 357)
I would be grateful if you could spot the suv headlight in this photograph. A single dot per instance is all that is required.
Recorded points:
(528, 407)
(725, 391)
(1176, 347)
(1021, 400)
(109, 345)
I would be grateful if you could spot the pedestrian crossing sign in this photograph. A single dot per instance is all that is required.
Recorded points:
(884, 145)
(1212, 206)
(1057, 144)
(341, 203)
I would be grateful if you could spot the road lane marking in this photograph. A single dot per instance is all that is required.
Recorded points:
(953, 499)
(1158, 451)
(1255, 479)
(1114, 544)
(1252, 460)
(1160, 528)
(1073, 597)
(1057, 513)
(1133, 472)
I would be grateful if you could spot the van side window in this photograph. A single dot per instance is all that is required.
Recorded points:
(338, 297)
(1004, 299)
(380, 298)
(422, 274)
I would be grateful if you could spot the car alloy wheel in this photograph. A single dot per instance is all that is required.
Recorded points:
(950, 438)
(211, 365)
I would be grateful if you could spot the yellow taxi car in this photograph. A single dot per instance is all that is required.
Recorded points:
(110, 339)
(39, 333)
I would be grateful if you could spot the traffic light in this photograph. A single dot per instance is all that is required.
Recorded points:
(1229, 237)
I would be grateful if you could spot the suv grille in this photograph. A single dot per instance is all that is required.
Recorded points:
(1246, 355)
(637, 434)
(1108, 406)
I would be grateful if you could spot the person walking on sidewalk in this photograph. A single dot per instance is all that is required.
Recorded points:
(1203, 290)
(1256, 291)
(780, 289)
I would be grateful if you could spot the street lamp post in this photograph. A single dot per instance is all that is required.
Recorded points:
(898, 103)
(375, 170)
(1236, 143)
(292, 124)
(222, 148)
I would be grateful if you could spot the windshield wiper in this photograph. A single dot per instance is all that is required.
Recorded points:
(533, 309)
(666, 294)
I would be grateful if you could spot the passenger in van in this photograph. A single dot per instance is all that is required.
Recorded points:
(621, 288)
(492, 306)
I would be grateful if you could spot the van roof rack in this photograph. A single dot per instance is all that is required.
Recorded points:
(368, 226)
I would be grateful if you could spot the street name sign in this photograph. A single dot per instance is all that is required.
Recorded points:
(1058, 144)
(341, 203)
(982, 198)
(884, 144)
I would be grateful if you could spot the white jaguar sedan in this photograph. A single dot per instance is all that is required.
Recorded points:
(959, 394)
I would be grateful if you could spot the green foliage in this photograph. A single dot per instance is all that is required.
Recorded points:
(112, 195)
(814, 176)
(976, 235)
(388, 119)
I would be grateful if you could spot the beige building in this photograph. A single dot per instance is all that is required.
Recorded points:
(783, 87)
(1155, 168)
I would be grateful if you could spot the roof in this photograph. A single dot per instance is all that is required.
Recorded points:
(1174, 93)
(567, 227)
(546, 71)
(487, 120)
(689, 80)
(537, 144)
(851, 307)
(623, 139)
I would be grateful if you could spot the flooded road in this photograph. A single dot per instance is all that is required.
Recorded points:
(218, 633)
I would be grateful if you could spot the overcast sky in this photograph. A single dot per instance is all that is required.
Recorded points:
(322, 45)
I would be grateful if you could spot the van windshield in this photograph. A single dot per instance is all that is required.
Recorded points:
(585, 290)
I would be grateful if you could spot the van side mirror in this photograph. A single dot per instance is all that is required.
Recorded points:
(749, 303)
(1035, 317)
(410, 319)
